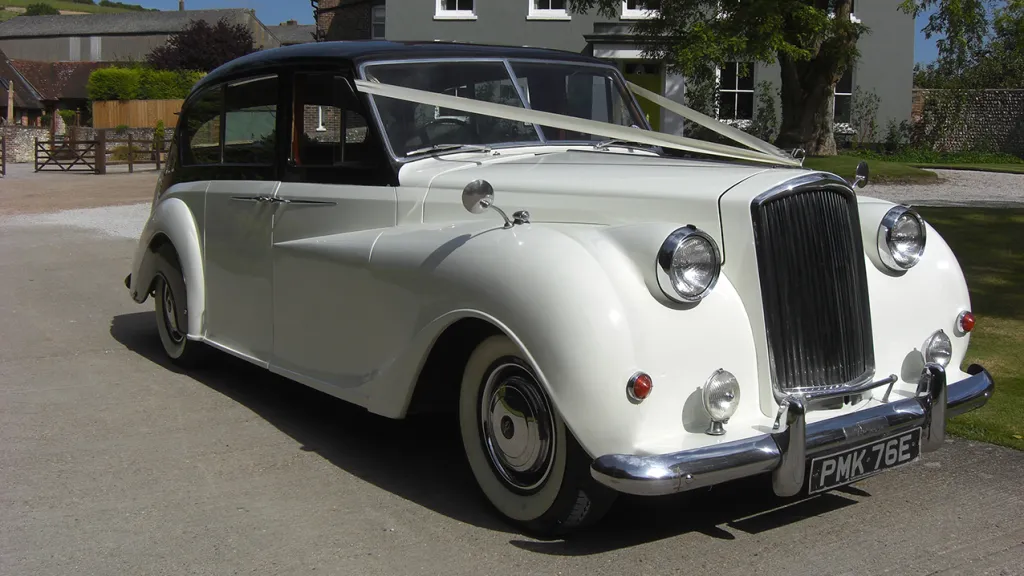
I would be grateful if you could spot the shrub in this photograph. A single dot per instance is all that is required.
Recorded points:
(41, 9)
(68, 116)
(138, 83)
(89, 2)
(114, 84)
(864, 113)
(766, 124)
(121, 129)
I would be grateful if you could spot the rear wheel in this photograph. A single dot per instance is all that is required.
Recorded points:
(525, 460)
(182, 351)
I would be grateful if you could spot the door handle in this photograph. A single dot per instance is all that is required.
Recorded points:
(252, 198)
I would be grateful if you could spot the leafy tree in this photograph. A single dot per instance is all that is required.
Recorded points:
(813, 41)
(41, 9)
(202, 46)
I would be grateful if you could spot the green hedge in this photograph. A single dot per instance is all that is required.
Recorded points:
(140, 84)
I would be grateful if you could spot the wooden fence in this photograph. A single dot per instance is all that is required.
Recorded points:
(95, 155)
(135, 113)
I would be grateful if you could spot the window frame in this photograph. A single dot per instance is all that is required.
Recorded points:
(383, 21)
(224, 120)
(736, 91)
(536, 13)
(836, 94)
(636, 13)
(442, 13)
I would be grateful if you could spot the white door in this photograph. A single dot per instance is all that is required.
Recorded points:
(334, 201)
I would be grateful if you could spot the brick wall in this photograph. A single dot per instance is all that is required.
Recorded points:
(345, 19)
(990, 120)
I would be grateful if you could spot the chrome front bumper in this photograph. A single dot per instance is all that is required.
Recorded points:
(785, 452)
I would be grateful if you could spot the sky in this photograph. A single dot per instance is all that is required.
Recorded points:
(273, 12)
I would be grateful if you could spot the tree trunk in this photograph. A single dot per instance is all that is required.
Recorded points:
(808, 93)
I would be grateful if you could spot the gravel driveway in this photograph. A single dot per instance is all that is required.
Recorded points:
(956, 188)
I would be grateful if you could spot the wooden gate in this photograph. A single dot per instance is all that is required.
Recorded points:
(66, 156)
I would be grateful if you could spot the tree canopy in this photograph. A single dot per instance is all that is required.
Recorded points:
(202, 47)
(814, 42)
(995, 61)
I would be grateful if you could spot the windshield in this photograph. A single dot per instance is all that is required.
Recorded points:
(589, 92)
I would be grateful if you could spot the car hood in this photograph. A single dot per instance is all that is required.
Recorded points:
(579, 186)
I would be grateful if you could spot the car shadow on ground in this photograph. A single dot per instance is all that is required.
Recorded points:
(420, 459)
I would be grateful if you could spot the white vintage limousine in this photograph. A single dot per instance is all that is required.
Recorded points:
(496, 232)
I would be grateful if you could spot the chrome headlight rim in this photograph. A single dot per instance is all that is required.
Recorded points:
(663, 264)
(721, 378)
(885, 228)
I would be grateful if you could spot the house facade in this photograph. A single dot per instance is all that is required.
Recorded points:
(885, 66)
(112, 37)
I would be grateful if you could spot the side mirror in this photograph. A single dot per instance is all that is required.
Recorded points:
(478, 196)
(862, 174)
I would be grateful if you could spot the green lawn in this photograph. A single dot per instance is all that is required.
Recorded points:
(62, 5)
(1012, 168)
(881, 171)
(989, 244)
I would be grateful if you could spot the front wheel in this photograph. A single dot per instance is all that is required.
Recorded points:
(528, 464)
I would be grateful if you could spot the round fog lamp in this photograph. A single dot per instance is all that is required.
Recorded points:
(721, 396)
(938, 349)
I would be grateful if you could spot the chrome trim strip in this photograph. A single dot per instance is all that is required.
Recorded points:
(849, 391)
(785, 454)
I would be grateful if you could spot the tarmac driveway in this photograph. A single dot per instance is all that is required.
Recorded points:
(112, 462)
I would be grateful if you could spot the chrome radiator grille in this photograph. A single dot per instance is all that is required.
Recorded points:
(814, 287)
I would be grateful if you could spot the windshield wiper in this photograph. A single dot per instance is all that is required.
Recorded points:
(605, 144)
(443, 147)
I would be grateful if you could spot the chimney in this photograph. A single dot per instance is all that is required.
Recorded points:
(181, 5)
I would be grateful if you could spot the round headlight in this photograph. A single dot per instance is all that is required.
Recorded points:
(937, 348)
(901, 238)
(688, 265)
(721, 395)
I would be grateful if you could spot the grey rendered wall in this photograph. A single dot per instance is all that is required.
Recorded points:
(39, 49)
(498, 22)
(886, 63)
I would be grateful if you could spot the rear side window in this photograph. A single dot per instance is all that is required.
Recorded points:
(250, 122)
(234, 124)
(328, 130)
(201, 141)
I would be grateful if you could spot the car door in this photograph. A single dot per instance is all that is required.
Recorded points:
(335, 199)
(240, 207)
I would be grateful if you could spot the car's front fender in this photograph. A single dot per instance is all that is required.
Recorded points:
(575, 300)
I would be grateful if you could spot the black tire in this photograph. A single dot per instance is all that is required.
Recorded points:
(543, 486)
(181, 351)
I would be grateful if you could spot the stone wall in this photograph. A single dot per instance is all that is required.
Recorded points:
(974, 120)
(21, 142)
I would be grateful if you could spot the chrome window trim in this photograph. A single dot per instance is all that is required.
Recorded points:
(812, 181)
(375, 112)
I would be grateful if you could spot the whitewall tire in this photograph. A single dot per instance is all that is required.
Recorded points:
(181, 350)
(525, 460)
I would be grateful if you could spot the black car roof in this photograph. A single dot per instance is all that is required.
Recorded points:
(356, 52)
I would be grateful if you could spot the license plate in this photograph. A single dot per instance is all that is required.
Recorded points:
(828, 472)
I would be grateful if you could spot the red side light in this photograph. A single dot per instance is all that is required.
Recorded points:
(640, 386)
(966, 321)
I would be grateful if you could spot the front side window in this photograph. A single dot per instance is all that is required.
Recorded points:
(736, 91)
(327, 129)
(250, 122)
(201, 139)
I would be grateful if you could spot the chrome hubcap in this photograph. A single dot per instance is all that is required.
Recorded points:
(170, 317)
(518, 427)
